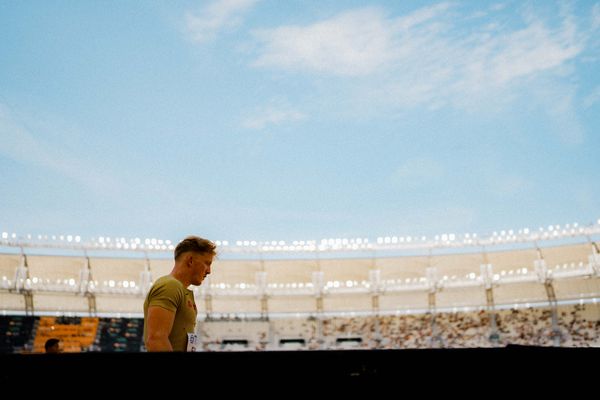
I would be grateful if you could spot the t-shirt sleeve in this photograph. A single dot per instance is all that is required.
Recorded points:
(168, 296)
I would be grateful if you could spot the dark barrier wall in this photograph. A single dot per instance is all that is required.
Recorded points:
(397, 368)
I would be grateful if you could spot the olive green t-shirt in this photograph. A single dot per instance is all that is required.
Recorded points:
(169, 293)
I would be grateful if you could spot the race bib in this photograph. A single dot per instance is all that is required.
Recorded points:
(192, 343)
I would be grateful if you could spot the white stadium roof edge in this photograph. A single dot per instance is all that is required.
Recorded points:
(345, 274)
(324, 245)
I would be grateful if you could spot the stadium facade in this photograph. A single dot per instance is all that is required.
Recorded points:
(327, 293)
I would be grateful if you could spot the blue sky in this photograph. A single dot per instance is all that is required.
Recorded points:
(297, 120)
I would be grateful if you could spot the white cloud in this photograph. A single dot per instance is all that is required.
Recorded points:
(424, 57)
(272, 114)
(19, 143)
(530, 50)
(215, 17)
(436, 57)
(352, 43)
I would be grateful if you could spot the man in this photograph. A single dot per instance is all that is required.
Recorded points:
(52, 346)
(169, 309)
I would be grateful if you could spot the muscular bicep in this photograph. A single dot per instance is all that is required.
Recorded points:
(159, 324)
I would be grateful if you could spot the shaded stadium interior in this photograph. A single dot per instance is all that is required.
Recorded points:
(353, 318)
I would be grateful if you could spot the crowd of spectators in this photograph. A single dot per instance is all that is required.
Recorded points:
(572, 326)
(576, 326)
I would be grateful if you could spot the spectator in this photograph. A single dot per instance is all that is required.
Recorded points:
(52, 346)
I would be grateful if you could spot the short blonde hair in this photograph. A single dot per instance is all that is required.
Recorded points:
(195, 244)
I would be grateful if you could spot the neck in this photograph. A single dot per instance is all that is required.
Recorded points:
(181, 277)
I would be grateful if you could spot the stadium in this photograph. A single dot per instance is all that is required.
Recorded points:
(525, 287)
(409, 186)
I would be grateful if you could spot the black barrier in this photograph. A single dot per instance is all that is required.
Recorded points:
(387, 367)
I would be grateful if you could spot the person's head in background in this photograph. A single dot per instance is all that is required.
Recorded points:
(52, 345)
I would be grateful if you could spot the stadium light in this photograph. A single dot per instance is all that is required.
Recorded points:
(381, 243)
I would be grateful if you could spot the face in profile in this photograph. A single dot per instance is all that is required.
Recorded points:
(201, 263)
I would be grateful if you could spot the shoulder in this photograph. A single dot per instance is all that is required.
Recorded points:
(167, 292)
(168, 280)
(168, 283)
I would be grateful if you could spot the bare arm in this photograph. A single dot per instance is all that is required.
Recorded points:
(159, 324)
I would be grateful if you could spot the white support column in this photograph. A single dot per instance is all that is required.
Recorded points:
(260, 279)
(318, 283)
(146, 278)
(434, 285)
(542, 271)
(21, 274)
(375, 286)
(23, 284)
(86, 287)
(545, 277)
(84, 277)
(376, 289)
(594, 260)
(487, 276)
